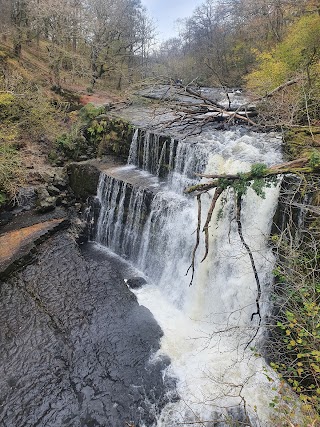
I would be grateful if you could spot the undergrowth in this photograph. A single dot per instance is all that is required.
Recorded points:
(11, 174)
(93, 134)
(293, 346)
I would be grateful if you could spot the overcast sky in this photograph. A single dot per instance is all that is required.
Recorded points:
(166, 12)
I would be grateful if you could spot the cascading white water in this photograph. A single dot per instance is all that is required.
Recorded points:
(206, 326)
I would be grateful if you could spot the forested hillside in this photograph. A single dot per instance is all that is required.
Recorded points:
(260, 45)
(50, 53)
(263, 45)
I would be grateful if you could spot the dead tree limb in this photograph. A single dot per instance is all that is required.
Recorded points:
(279, 88)
(254, 268)
(197, 95)
(221, 182)
(215, 198)
(215, 107)
(192, 266)
(298, 167)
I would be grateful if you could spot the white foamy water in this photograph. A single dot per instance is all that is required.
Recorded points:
(207, 326)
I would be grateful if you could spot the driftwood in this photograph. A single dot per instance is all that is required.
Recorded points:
(215, 107)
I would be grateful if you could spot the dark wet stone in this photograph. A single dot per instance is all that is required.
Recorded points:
(76, 346)
(18, 246)
(53, 191)
(25, 219)
(5, 218)
(83, 179)
(26, 199)
(136, 282)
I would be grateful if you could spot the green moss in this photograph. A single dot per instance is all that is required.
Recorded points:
(90, 112)
(301, 141)
(100, 136)
(110, 136)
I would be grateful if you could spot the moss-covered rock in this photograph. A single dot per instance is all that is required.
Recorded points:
(83, 179)
(110, 135)
(100, 135)
(301, 141)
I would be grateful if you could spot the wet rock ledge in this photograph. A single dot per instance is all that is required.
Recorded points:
(20, 238)
(75, 345)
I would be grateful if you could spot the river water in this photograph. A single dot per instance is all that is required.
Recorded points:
(208, 330)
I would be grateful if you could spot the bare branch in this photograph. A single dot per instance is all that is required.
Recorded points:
(280, 88)
(216, 196)
(192, 266)
(254, 268)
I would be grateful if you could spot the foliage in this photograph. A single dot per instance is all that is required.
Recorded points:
(301, 47)
(255, 179)
(270, 72)
(11, 173)
(25, 109)
(288, 411)
(96, 137)
(8, 107)
(72, 144)
(90, 112)
(111, 136)
(293, 345)
(82, 40)
(299, 50)
(314, 160)
(6, 100)
(295, 58)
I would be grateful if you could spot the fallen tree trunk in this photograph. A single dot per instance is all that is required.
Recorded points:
(298, 167)
(218, 108)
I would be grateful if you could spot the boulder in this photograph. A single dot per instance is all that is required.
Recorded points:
(26, 198)
(45, 202)
(136, 282)
(52, 190)
(5, 218)
(56, 177)
(83, 179)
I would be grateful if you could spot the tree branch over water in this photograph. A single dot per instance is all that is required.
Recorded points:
(258, 178)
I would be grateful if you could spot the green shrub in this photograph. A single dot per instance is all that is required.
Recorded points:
(90, 112)
(72, 144)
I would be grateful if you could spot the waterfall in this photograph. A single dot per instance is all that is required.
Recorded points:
(207, 326)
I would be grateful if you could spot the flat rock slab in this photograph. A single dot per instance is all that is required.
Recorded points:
(77, 349)
(17, 244)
